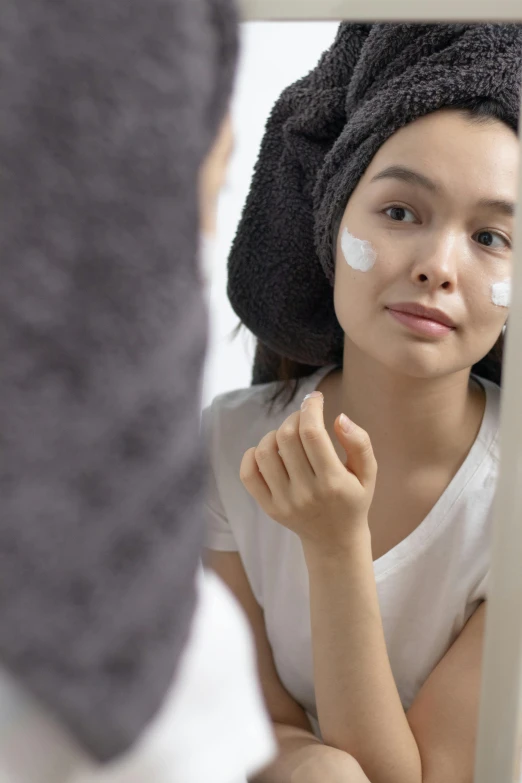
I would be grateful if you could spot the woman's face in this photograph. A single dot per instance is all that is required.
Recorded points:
(212, 176)
(436, 204)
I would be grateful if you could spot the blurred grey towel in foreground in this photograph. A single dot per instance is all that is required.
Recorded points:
(108, 109)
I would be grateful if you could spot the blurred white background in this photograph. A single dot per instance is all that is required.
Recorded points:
(274, 54)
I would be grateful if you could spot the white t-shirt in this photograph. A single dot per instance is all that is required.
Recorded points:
(428, 585)
(212, 728)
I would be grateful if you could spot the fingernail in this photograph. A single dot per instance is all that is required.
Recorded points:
(346, 424)
(313, 394)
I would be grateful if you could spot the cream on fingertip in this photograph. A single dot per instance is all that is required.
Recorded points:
(312, 395)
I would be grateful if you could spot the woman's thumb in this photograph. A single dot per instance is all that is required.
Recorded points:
(356, 442)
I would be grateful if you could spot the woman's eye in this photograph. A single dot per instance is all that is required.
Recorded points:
(488, 239)
(400, 214)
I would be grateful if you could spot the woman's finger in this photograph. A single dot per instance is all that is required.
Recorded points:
(360, 459)
(253, 480)
(271, 465)
(316, 442)
(292, 452)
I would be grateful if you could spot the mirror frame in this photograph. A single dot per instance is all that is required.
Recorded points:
(383, 10)
(498, 750)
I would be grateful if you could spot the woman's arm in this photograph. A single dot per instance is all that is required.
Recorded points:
(358, 705)
(299, 481)
(302, 758)
(357, 700)
(444, 715)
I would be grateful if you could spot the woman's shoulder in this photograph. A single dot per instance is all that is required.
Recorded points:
(257, 401)
(246, 398)
(241, 414)
(244, 416)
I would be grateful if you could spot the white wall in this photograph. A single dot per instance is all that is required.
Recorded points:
(274, 54)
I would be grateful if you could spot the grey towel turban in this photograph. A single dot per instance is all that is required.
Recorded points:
(107, 110)
(321, 136)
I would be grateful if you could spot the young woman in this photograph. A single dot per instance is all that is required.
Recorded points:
(366, 587)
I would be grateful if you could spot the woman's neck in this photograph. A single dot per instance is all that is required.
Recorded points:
(411, 421)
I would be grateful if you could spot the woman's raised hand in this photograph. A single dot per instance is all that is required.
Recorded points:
(297, 478)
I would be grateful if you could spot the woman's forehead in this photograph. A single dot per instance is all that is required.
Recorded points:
(447, 148)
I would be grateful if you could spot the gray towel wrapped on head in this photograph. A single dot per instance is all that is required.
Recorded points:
(320, 138)
(107, 110)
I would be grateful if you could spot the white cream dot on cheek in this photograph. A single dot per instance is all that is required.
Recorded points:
(358, 253)
(501, 293)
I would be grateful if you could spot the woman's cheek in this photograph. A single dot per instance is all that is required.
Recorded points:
(354, 278)
(500, 293)
(498, 298)
(359, 254)
(488, 295)
(488, 305)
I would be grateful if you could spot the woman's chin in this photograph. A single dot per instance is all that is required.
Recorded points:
(422, 362)
(412, 358)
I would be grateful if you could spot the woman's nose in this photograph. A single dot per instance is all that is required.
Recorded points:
(437, 262)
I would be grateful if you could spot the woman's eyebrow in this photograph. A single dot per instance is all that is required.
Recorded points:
(407, 175)
(412, 177)
(507, 208)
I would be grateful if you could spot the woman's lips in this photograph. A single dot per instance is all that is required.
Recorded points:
(421, 325)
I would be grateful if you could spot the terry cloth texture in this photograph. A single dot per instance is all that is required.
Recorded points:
(320, 137)
(108, 110)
